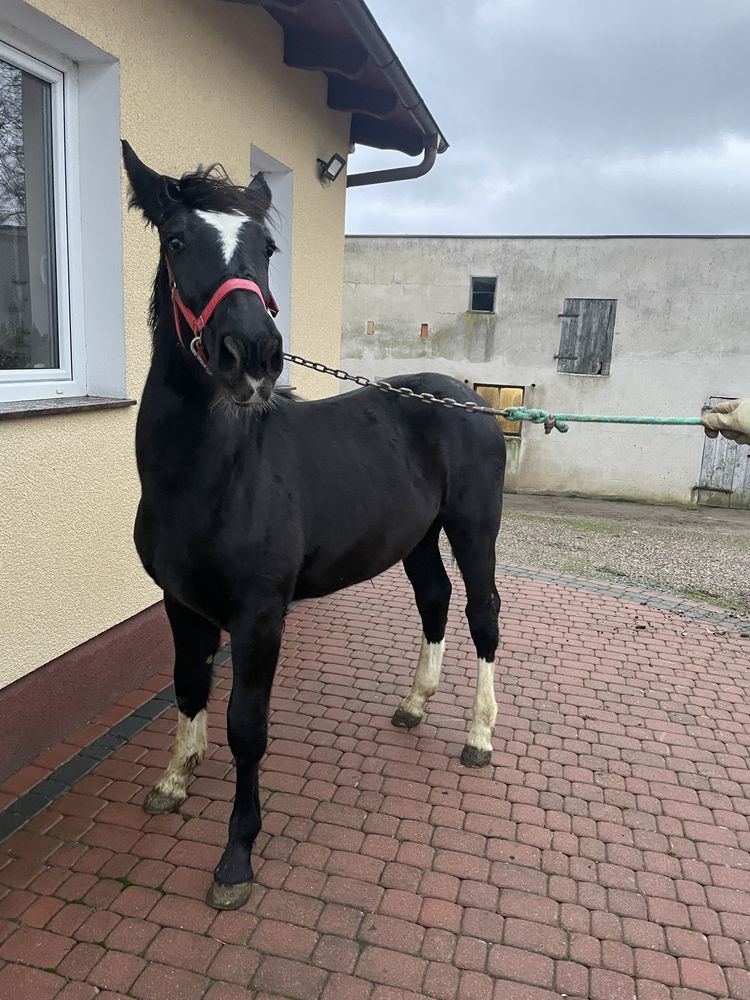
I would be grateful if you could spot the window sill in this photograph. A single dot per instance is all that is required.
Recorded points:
(73, 404)
(482, 312)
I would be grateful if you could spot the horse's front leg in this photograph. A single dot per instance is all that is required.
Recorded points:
(255, 652)
(195, 643)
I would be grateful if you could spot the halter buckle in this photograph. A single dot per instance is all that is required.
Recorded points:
(199, 351)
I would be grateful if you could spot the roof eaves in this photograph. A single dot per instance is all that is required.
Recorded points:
(381, 52)
(365, 76)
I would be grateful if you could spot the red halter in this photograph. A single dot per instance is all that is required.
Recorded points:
(198, 323)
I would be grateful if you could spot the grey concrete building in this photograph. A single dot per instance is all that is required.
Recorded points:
(616, 325)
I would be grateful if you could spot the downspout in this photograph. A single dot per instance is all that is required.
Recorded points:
(386, 60)
(398, 173)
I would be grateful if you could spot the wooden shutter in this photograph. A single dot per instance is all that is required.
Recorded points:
(586, 335)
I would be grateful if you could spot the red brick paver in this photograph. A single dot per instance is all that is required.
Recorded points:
(605, 854)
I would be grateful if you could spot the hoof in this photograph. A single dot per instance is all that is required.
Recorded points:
(473, 757)
(228, 897)
(404, 720)
(157, 802)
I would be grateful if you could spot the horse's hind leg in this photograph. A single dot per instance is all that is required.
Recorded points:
(474, 548)
(432, 590)
(196, 641)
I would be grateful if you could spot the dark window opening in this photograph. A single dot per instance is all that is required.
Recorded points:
(483, 294)
(586, 336)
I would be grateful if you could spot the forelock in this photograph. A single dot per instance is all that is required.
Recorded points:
(211, 190)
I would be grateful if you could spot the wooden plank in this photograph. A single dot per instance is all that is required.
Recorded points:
(305, 51)
(740, 498)
(343, 95)
(596, 330)
(717, 466)
(725, 471)
(709, 498)
(567, 354)
(608, 337)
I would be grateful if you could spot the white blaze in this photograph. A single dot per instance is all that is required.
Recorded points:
(228, 226)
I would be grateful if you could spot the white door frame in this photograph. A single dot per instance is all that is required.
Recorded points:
(281, 182)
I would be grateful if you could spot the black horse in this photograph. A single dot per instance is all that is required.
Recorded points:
(252, 499)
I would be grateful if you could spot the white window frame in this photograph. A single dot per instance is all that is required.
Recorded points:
(280, 179)
(90, 257)
(69, 378)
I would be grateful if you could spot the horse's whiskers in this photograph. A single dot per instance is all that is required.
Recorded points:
(227, 407)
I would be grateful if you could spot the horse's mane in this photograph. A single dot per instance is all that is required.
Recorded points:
(210, 189)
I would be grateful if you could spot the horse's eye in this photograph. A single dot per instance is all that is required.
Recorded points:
(175, 244)
(270, 250)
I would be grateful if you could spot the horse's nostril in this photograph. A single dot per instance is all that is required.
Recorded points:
(231, 353)
(272, 353)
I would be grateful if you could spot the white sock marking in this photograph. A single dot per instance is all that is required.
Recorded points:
(228, 226)
(190, 747)
(485, 707)
(426, 677)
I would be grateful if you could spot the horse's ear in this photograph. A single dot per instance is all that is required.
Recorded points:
(149, 191)
(260, 193)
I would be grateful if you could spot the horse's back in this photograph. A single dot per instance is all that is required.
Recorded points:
(435, 384)
(474, 441)
(462, 442)
(465, 449)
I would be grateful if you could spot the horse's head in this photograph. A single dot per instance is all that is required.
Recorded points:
(213, 233)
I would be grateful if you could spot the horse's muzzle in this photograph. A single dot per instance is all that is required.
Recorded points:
(249, 368)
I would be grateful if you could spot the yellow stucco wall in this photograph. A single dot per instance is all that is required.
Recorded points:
(200, 81)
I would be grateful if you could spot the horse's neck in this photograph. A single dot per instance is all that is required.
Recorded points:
(175, 414)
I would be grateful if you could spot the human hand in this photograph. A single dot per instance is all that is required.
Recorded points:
(730, 418)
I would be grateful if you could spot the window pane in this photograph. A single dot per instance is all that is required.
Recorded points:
(482, 302)
(510, 395)
(28, 294)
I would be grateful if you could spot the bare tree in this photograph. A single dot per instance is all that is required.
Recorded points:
(14, 337)
(12, 174)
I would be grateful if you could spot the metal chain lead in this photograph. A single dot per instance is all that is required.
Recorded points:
(422, 397)
(513, 414)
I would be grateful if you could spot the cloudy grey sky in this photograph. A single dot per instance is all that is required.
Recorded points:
(571, 116)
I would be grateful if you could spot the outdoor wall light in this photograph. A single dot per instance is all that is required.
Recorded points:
(329, 171)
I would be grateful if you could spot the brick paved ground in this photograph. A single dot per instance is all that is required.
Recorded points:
(606, 854)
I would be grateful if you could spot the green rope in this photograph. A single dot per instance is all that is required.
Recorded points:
(560, 421)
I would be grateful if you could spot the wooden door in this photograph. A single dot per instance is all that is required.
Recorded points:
(725, 472)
